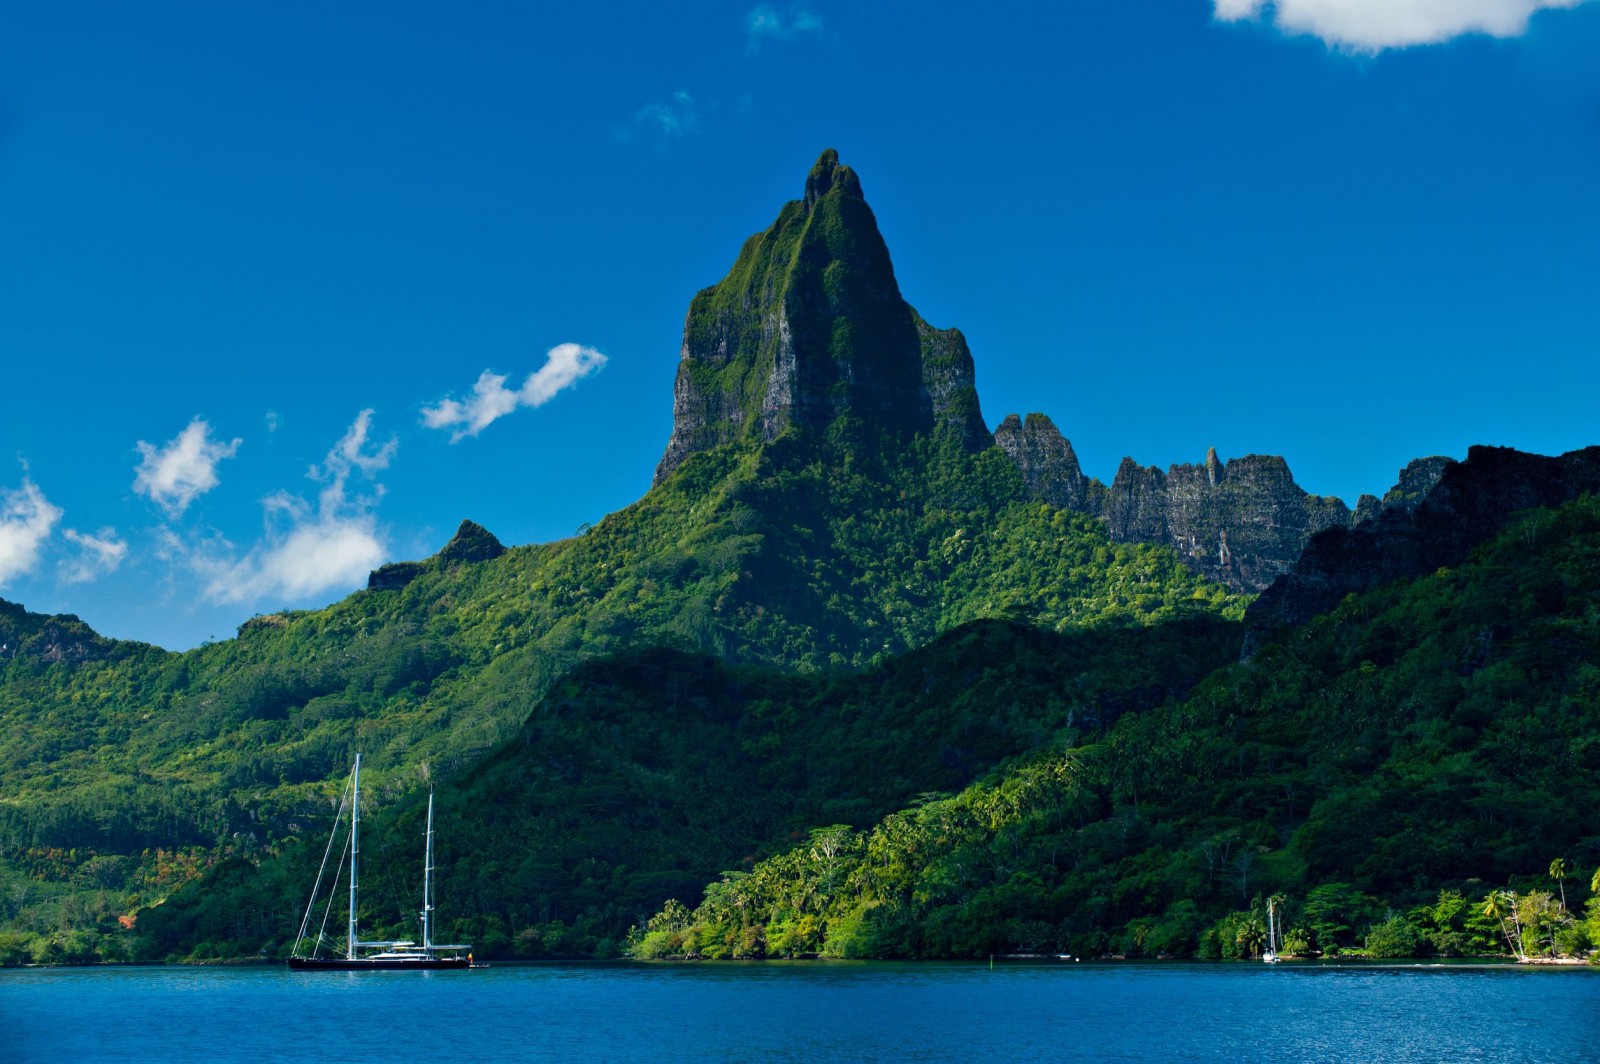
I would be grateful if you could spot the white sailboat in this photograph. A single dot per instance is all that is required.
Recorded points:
(1271, 955)
(403, 955)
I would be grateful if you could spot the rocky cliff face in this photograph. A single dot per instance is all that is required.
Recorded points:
(395, 575)
(808, 326)
(1243, 522)
(1411, 487)
(1467, 503)
(1049, 465)
(52, 639)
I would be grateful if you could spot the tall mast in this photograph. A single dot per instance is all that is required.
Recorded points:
(355, 852)
(427, 881)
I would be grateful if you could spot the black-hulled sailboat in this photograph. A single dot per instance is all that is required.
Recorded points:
(370, 956)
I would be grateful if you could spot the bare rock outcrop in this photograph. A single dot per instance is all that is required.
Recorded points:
(1243, 522)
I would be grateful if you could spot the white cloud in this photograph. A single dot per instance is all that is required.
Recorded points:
(1372, 25)
(307, 550)
(26, 519)
(185, 469)
(351, 453)
(766, 22)
(564, 366)
(325, 552)
(98, 555)
(671, 120)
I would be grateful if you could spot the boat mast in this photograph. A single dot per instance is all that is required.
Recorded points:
(355, 851)
(427, 882)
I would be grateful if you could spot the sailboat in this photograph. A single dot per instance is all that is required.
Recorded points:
(1271, 956)
(376, 955)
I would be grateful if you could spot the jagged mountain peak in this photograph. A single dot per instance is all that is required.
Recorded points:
(808, 327)
(472, 543)
(829, 173)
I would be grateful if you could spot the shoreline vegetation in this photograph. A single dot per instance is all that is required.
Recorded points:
(1535, 926)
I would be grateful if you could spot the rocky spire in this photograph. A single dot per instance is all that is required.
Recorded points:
(808, 326)
(1048, 463)
(472, 543)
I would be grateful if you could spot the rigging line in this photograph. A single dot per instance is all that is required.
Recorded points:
(391, 887)
(323, 929)
(311, 902)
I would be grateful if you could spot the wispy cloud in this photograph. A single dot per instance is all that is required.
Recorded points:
(175, 475)
(351, 453)
(1370, 26)
(26, 520)
(97, 555)
(671, 120)
(307, 549)
(767, 23)
(323, 553)
(491, 400)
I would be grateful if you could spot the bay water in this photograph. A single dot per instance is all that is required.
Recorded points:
(804, 1011)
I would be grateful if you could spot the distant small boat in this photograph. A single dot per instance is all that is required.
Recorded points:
(378, 955)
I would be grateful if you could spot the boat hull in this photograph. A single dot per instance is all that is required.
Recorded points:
(374, 964)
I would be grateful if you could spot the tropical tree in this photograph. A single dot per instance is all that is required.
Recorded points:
(1541, 920)
(826, 846)
(1500, 905)
(1558, 872)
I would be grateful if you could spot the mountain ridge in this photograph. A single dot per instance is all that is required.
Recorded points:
(1243, 522)
(809, 330)
(1467, 504)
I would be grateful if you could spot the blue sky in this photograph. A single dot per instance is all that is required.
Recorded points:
(257, 258)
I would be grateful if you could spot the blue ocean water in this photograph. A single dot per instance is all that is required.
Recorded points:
(802, 1012)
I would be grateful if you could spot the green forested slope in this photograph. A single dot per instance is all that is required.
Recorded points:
(641, 775)
(800, 555)
(1406, 755)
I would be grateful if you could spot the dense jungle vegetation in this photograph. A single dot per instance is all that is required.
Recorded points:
(642, 775)
(1409, 774)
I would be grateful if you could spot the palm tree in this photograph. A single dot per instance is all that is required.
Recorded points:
(1594, 884)
(1558, 872)
(1497, 906)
